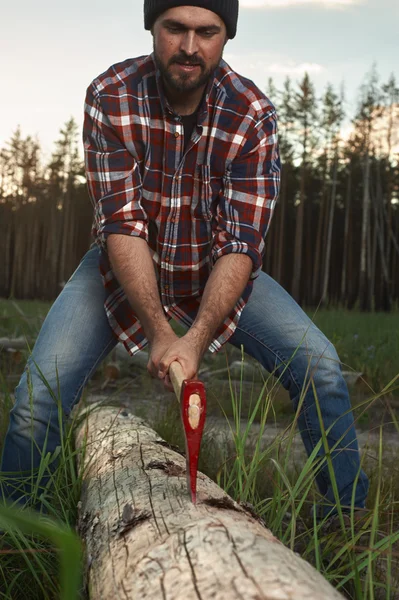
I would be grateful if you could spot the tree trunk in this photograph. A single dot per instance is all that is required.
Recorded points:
(318, 251)
(145, 539)
(282, 225)
(364, 272)
(16, 260)
(346, 238)
(307, 259)
(373, 267)
(317, 254)
(8, 237)
(383, 242)
(300, 217)
(327, 265)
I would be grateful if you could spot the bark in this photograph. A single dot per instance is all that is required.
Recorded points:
(319, 237)
(298, 244)
(307, 259)
(364, 279)
(145, 539)
(346, 236)
(327, 266)
(282, 225)
(383, 239)
(17, 263)
(8, 253)
(373, 267)
(317, 254)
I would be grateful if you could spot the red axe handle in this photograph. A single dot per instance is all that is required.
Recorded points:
(191, 394)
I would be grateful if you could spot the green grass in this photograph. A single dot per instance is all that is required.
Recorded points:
(365, 342)
(263, 476)
(361, 560)
(41, 552)
(22, 524)
(22, 317)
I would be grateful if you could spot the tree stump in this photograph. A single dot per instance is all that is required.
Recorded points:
(146, 540)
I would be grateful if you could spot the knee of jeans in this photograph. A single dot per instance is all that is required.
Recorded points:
(34, 388)
(48, 383)
(28, 423)
(320, 357)
(35, 407)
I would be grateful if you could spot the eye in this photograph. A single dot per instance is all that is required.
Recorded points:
(174, 29)
(207, 33)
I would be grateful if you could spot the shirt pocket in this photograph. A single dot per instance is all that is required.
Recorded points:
(202, 193)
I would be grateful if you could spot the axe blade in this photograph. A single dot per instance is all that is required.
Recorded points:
(193, 412)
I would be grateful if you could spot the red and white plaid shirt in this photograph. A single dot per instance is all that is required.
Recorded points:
(192, 206)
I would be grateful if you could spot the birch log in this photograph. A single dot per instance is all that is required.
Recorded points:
(146, 540)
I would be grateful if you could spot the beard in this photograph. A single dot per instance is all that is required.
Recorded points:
(184, 82)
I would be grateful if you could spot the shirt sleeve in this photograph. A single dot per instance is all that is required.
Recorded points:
(250, 192)
(113, 176)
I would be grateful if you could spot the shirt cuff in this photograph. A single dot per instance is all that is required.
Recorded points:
(223, 247)
(131, 228)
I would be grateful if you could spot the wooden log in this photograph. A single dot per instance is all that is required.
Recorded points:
(13, 343)
(145, 539)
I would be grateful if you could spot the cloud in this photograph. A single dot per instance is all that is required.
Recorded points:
(286, 3)
(262, 63)
(291, 68)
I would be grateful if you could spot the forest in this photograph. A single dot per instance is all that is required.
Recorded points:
(334, 239)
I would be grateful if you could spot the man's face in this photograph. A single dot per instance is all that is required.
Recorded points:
(188, 46)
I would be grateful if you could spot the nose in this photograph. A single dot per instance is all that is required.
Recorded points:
(189, 43)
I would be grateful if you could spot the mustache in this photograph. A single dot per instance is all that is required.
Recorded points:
(184, 59)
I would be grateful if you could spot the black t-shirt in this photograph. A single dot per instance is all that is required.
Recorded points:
(189, 122)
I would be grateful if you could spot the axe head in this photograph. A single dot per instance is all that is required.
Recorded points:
(193, 412)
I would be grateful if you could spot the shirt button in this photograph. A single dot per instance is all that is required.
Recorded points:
(177, 134)
(166, 288)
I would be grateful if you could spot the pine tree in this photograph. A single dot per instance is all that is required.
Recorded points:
(305, 112)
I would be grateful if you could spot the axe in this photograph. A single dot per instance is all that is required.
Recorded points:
(191, 394)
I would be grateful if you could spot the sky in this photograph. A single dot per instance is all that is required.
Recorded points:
(51, 51)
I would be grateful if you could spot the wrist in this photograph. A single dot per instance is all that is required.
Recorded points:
(159, 330)
(199, 337)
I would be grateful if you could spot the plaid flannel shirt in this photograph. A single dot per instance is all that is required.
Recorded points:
(191, 206)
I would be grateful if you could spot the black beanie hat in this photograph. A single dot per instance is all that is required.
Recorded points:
(226, 9)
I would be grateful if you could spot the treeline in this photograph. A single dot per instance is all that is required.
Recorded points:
(336, 230)
(45, 215)
(335, 234)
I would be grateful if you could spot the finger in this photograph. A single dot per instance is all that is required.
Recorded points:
(168, 383)
(152, 369)
(164, 365)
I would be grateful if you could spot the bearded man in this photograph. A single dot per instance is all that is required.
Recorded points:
(183, 170)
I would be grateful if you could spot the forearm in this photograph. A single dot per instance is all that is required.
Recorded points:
(133, 267)
(224, 287)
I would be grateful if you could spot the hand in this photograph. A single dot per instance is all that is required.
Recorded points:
(158, 347)
(184, 352)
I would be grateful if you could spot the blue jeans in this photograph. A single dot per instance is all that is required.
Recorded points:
(76, 337)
